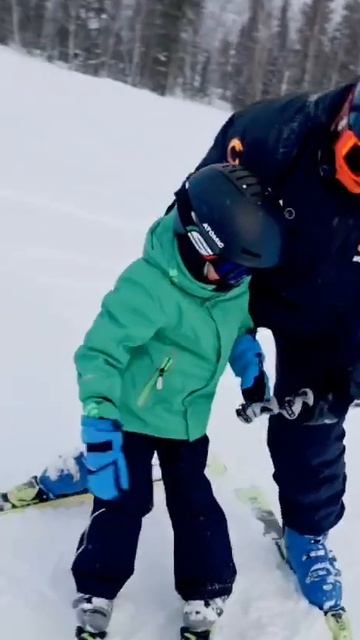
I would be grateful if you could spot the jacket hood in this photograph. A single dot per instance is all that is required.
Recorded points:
(161, 250)
(283, 125)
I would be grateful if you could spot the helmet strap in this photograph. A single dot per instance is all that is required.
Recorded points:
(191, 258)
(184, 206)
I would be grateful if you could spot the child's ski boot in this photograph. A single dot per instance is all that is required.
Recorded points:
(64, 478)
(200, 616)
(93, 616)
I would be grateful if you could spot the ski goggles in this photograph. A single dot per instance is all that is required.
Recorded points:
(229, 272)
(347, 159)
(352, 158)
(347, 148)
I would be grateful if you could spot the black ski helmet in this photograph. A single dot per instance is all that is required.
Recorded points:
(225, 212)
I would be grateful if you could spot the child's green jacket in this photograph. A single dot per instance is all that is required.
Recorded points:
(156, 351)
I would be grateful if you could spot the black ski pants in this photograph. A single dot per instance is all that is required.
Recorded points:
(203, 562)
(309, 465)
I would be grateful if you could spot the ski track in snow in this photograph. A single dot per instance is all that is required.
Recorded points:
(85, 167)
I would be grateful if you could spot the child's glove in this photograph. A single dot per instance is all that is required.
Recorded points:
(104, 457)
(249, 411)
(247, 362)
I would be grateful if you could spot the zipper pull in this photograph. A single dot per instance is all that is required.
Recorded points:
(163, 369)
(160, 379)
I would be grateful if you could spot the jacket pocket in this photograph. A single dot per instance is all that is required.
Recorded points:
(156, 382)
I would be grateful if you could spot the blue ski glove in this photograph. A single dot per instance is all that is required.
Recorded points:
(247, 362)
(104, 457)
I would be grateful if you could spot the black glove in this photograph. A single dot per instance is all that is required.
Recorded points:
(325, 410)
(293, 405)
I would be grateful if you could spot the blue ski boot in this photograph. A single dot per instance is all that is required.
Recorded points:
(315, 568)
(67, 476)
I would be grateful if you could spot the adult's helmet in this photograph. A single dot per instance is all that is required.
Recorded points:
(226, 214)
(347, 143)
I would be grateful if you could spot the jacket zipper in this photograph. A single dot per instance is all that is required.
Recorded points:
(156, 381)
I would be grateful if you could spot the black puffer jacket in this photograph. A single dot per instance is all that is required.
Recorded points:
(317, 288)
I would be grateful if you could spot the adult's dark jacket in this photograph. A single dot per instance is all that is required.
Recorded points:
(317, 287)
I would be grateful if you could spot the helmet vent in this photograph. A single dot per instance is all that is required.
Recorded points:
(248, 252)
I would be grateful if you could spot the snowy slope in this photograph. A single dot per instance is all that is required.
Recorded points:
(85, 166)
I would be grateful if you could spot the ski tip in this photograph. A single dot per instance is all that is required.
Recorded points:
(339, 624)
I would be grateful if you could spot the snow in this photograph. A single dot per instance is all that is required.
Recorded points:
(85, 166)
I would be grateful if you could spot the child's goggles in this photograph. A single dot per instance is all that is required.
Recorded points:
(229, 272)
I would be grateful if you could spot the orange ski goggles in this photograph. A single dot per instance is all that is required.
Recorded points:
(347, 146)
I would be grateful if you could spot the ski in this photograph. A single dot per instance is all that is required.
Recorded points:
(254, 497)
(31, 494)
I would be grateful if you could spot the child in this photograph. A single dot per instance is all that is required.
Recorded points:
(148, 372)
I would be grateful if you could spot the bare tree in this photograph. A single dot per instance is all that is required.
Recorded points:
(344, 63)
(309, 63)
(277, 69)
(251, 52)
(187, 62)
(6, 31)
(31, 19)
(203, 50)
(15, 21)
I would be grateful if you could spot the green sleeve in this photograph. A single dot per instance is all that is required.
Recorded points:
(130, 315)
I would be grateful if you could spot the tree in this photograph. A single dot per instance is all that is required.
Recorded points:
(15, 22)
(344, 64)
(112, 39)
(31, 22)
(160, 35)
(92, 26)
(196, 48)
(251, 51)
(276, 70)
(6, 31)
(309, 66)
(190, 57)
